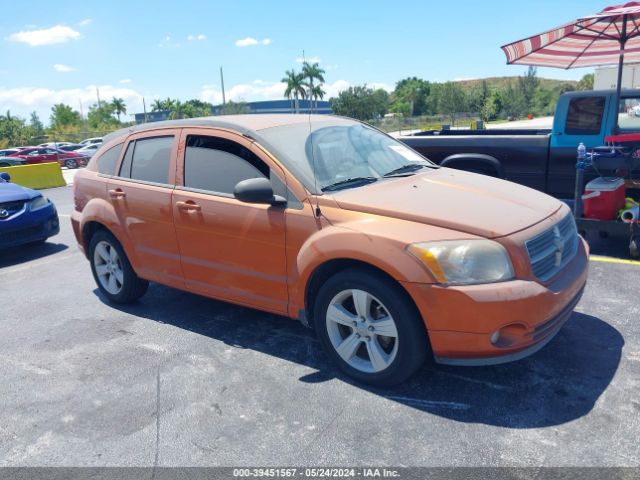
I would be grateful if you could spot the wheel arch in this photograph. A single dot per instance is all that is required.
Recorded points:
(487, 162)
(329, 268)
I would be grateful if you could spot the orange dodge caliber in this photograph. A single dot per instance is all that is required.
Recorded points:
(324, 219)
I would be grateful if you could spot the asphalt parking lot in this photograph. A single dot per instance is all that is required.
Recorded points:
(180, 380)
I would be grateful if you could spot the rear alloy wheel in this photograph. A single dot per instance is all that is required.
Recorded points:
(112, 271)
(370, 328)
(70, 163)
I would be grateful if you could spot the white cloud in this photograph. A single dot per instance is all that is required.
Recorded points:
(23, 100)
(199, 37)
(308, 60)
(47, 36)
(249, 41)
(85, 22)
(257, 90)
(167, 43)
(59, 67)
(263, 90)
(125, 80)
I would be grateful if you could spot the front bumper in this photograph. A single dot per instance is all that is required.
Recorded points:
(527, 314)
(29, 227)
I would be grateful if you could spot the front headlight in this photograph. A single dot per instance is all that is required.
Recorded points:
(464, 262)
(38, 202)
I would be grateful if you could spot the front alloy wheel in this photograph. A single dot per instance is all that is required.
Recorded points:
(370, 327)
(362, 331)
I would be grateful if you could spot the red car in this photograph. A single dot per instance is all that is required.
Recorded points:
(48, 154)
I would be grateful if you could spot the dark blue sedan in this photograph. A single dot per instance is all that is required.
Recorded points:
(26, 216)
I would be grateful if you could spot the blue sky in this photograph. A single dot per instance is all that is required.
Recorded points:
(59, 51)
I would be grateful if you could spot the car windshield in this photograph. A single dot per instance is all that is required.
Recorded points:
(341, 153)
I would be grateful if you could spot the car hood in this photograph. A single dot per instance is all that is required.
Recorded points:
(453, 199)
(10, 192)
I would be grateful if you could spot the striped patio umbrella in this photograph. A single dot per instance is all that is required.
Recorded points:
(606, 38)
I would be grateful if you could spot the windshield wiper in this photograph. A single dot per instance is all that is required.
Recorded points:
(408, 168)
(349, 182)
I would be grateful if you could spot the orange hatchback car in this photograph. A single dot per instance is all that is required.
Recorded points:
(389, 257)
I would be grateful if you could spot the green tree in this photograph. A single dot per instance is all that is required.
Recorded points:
(312, 72)
(102, 116)
(586, 82)
(527, 85)
(119, 107)
(235, 108)
(360, 102)
(491, 107)
(36, 125)
(410, 96)
(295, 88)
(317, 93)
(451, 100)
(63, 116)
(513, 103)
(13, 131)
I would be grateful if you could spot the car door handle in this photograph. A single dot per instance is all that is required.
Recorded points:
(117, 194)
(188, 206)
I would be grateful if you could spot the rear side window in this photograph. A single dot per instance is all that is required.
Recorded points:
(585, 116)
(107, 161)
(148, 159)
(217, 165)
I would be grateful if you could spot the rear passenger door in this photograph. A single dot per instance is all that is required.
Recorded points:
(140, 193)
(230, 250)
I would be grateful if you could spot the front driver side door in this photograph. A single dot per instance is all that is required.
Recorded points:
(229, 250)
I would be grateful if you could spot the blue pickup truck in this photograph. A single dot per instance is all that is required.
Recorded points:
(541, 159)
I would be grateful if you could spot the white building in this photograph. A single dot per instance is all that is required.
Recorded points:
(607, 77)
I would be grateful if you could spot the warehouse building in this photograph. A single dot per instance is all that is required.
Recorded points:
(267, 106)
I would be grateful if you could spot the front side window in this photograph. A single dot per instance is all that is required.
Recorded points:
(148, 159)
(217, 165)
(585, 116)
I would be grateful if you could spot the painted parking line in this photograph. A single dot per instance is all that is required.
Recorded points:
(598, 258)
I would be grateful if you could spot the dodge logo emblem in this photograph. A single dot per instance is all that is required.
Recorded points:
(3, 213)
(558, 243)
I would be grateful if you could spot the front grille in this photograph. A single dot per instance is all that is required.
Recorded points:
(551, 250)
(12, 207)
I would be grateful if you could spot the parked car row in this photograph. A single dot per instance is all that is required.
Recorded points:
(67, 154)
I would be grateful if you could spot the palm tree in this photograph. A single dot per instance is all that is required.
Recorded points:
(119, 106)
(295, 87)
(157, 105)
(312, 72)
(317, 93)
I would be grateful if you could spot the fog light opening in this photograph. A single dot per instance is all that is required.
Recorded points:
(495, 337)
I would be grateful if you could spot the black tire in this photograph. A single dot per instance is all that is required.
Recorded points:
(413, 343)
(71, 163)
(133, 287)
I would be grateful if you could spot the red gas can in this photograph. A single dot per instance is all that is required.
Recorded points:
(603, 198)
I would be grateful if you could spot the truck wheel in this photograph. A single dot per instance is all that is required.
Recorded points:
(370, 328)
(112, 271)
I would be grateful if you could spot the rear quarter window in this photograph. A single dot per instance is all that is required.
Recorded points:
(107, 161)
(584, 116)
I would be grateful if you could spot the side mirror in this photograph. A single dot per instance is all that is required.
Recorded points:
(257, 190)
